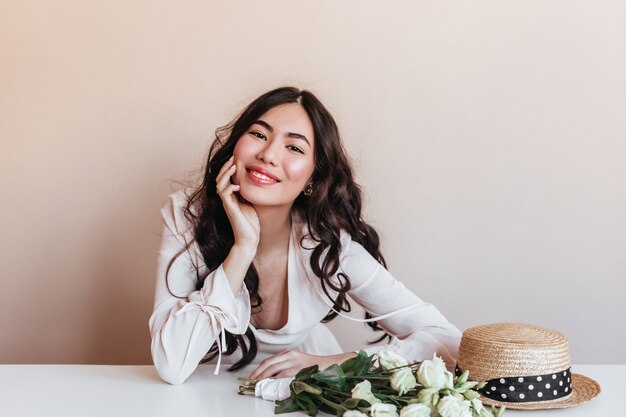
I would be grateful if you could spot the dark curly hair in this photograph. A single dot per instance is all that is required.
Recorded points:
(335, 204)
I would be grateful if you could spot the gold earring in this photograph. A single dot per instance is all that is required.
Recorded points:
(308, 190)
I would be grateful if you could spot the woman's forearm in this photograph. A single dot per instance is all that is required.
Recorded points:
(342, 357)
(236, 265)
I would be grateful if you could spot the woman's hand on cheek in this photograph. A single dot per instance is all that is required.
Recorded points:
(243, 217)
(288, 362)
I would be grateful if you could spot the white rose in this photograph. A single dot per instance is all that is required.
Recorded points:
(403, 380)
(273, 389)
(477, 404)
(466, 409)
(415, 410)
(363, 391)
(389, 359)
(383, 410)
(450, 406)
(354, 413)
(433, 374)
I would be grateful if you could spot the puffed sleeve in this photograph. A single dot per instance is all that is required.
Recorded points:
(419, 331)
(183, 330)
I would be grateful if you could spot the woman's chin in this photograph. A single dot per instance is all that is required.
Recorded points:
(243, 199)
(259, 198)
(252, 198)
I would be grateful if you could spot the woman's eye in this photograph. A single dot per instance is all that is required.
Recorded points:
(258, 134)
(295, 148)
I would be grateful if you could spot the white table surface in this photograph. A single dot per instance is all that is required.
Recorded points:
(112, 390)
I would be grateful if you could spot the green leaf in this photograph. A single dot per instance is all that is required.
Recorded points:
(457, 395)
(332, 376)
(312, 389)
(299, 386)
(497, 411)
(286, 406)
(470, 395)
(468, 385)
(352, 403)
(359, 365)
(463, 378)
(306, 403)
(305, 373)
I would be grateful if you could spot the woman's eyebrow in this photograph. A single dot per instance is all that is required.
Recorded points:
(264, 124)
(290, 134)
(298, 136)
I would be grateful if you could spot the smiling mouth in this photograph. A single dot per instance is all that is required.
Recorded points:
(261, 177)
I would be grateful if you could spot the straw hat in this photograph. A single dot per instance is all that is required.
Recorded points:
(526, 367)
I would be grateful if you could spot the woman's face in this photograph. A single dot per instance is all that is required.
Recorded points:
(274, 157)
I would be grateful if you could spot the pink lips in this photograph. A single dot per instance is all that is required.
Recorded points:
(257, 180)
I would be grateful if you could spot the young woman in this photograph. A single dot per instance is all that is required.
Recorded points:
(269, 246)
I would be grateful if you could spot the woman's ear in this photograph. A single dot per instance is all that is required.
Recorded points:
(308, 190)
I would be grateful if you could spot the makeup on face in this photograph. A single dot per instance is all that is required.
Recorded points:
(274, 157)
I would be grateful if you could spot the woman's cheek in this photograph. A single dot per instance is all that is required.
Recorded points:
(237, 160)
(301, 170)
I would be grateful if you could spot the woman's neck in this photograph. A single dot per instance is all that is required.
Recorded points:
(275, 230)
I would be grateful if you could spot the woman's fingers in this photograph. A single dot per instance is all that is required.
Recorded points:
(272, 360)
(263, 366)
(231, 205)
(287, 373)
(223, 168)
(231, 188)
(289, 362)
(274, 369)
(242, 217)
(223, 179)
(223, 186)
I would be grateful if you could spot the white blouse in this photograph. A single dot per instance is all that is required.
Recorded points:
(183, 330)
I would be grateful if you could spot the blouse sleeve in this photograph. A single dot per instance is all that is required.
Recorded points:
(184, 329)
(419, 331)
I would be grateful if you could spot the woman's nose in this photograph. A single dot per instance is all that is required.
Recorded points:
(269, 154)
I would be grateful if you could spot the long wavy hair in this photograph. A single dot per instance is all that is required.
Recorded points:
(335, 204)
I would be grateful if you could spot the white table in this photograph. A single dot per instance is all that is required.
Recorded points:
(108, 390)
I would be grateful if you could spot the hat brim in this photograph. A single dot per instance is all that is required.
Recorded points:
(583, 389)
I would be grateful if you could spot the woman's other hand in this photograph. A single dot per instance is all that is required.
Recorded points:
(243, 217)
(288, 362)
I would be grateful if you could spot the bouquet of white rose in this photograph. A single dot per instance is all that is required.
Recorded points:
(380, 386)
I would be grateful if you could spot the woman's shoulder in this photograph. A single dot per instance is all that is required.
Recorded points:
(173, 211)
(178, 198)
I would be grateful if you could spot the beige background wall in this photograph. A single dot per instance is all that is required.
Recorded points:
(490, 137)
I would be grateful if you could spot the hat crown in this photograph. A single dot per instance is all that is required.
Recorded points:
(512, 349)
